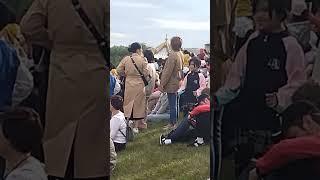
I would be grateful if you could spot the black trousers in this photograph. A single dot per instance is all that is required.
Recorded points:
(203, 126)
(119, 146)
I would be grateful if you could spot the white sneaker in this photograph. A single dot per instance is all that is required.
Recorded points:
(135, 130)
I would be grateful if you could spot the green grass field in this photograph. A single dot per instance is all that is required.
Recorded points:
(144, 158)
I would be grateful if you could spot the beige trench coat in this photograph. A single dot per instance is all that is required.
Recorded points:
(77, 90)
(134, 95)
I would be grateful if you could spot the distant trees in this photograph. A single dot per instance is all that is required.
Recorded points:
(117, 53)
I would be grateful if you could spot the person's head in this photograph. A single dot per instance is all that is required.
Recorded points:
(135, 48)
(270, 14)
(203, 99)
(176, 43)
(194, 64)
(116, 103)
(303, 116)
(301, 119)
(186, 52)
(20, 130)
(148, 54)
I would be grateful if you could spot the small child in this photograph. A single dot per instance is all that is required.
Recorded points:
(20, 132)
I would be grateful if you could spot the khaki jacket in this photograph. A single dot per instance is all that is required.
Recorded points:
(170, 79)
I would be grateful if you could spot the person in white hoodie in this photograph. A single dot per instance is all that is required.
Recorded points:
(118, 124)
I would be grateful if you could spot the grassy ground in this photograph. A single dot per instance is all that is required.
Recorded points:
(144, 158)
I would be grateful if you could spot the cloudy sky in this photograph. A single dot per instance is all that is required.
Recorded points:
(149, 21)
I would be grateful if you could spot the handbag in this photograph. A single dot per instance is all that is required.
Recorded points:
(101, 41)
(129, 133)
(141, 75)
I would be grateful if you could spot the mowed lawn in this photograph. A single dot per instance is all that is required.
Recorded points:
(144, 158)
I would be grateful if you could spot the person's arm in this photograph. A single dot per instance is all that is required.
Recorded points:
(121, 67)
(199, 109)
(164, 105)
(114, 127)
(288, 151)
(183, 84)
(117, 87)
(146, 70)
(23, 85)
(167, 71)
(33, 24)
(295, 67)
(203, 84)
(234, 80)
(156, 108)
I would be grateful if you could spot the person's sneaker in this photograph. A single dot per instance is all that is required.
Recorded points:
(135, 130)
(162, 139)
(195, 144)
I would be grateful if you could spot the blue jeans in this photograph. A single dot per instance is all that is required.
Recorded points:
(173, 105)
(180, 132)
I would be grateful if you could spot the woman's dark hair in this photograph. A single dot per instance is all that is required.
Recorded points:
(280, 7)
(22, 128)
(176, 43)
(308, 91)
(202, 97)
(306, 99)
(134, 47)
(116, 102)
(293, 115)
(7, 15)
(149, 55)
(196, 62)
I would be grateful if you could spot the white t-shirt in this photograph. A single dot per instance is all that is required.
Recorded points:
(117, 124)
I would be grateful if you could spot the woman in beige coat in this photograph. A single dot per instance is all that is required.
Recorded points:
(75, 138)
(134, 96)
(171, 77)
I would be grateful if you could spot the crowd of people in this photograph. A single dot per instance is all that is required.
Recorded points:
(270, 98)
(144, 89)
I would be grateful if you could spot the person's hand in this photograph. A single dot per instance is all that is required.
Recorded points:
(189, 117)
(253, 175)
(195, 93)
(161, 89)
(271, 100)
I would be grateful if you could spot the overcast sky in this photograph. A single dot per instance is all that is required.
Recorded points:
(149, 21)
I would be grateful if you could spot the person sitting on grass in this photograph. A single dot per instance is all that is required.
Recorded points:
(118, 124)
(297, 156)
(199, 119)
(20, 132)
(161, 110)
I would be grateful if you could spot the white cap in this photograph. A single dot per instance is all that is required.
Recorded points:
(298, 6)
